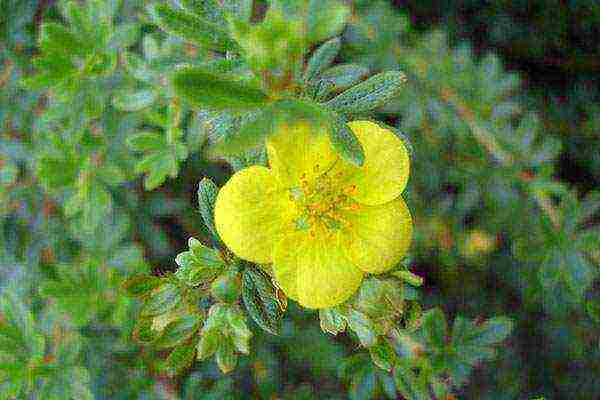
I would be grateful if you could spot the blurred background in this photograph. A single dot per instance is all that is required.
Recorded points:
(502, 113)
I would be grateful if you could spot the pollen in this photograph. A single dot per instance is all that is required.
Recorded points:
(322, 202)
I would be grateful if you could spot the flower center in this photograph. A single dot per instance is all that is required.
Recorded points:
(323, 203)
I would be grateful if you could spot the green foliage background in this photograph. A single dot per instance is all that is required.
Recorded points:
(100, 159)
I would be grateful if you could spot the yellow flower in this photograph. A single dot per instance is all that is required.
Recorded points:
(321, 221)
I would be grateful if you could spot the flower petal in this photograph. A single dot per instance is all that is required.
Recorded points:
(299, 150)
(252, 212)
(384, 174)
(314, 271)
(378, 236)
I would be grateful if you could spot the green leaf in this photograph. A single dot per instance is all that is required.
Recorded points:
(493, 331)
(322, 58)
(407, 382)
(56, 38)
(208, 344)
(370, 94)
(158, 165)
(198, 265)
(260, 299)
(593, 309)
(193, 28)
(363, 327)
(147, 141)
(227, 287)
(125, 35)
(239, 332)
(345, 142)
(331, 321)
(178, 331)
(162, 300)
(207, 196)
(226, 357)
(141, 285)
(180, 359)
(408, 277)
(203, 88)
(344, 76)
(382, 355)
(134, 101)
(434, 328)
(143, 331)
(253, 132)
(380, 298)
(326, 18)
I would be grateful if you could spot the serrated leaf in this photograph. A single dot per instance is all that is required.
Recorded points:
(203, 88)
(178, 331)
(260, 298)
(180, 359)
(198, 265)
(322, 58)
(193, 28)
(207, 196)
(368, 95)
(345, 142)
(141, 285)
